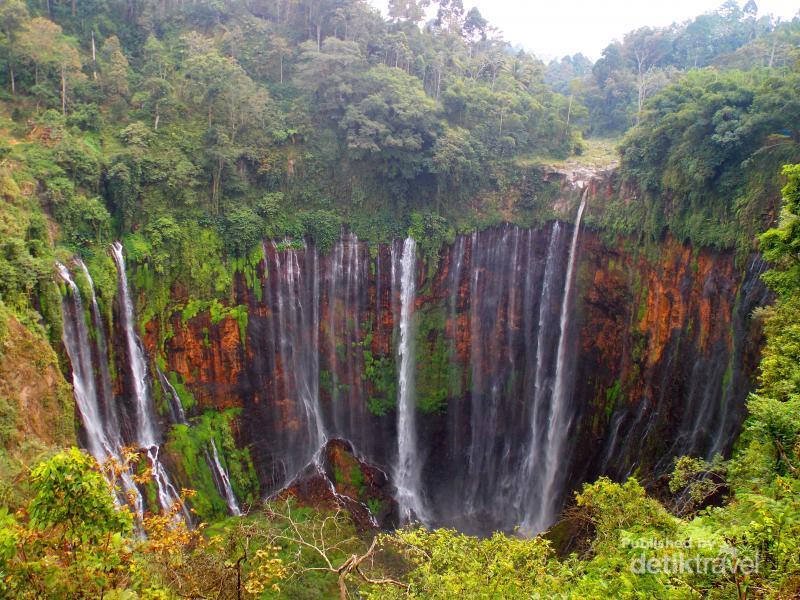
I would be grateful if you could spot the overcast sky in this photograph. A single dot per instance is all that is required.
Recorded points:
(553, 28)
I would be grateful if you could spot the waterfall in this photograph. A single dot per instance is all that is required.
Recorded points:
(105, 393)
(559, 420)
(408, 468)
(346, 298)
(145, 434)
(145, 429)
(175, 404)
(103, 443)
(292, 347)
(167, 494)
(224, 482)
(76, 340)
(530, 493)
(220, 475)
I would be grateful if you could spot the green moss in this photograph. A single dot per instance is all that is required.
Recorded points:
(612, 397)
(375, 506)
(357, 479)
(338, 476)
(191, 446)
(433, 359)
(186, 397)
(248, 267)
(381, 373)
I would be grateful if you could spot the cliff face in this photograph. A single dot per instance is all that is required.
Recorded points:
(651, 356)
(35, 400)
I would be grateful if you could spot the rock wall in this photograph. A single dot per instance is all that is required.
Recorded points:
(661, 354)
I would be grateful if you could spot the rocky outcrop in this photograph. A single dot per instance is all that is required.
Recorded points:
(337, 479)
(38, 412)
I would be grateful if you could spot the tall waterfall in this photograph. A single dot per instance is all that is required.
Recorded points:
(408, 467)
(103, 437)
(145, 429)
(145, 433)
(530, 493)
(291, 348)
(344, 304)
(559, 419)
(76, 340)
(474, 366)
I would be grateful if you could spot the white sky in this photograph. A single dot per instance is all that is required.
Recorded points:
(554, 28)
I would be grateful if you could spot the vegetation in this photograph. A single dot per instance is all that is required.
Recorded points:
(192, 131)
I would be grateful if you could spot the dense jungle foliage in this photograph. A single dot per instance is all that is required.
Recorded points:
(192, 130)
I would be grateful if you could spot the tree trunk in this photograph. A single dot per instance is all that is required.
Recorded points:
(157, 119)
(94, 59)
(63, 91)
(569, 110)
(640, 99)
(280, 61)
(772, 54)
(13, 83)
(215, 191)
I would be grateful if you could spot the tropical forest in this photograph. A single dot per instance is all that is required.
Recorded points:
(353, 299)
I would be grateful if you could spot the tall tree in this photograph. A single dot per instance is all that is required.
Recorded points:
(412, 11)
(43, 43)
(113, 69)
(645, 48)
(13, 15)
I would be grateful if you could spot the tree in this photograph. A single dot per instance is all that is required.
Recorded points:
(450, 16)
(43, 44)
(475, 26)
(412, 11)
(781, 247)
(113, 69)
(13, 15)
(231, 101)
(645, 48)
(328, 75)
(391, 121)
(77, 543)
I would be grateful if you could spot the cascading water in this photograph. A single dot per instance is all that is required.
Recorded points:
(175, 404)
(485, 406)
(343, 305)
(145, 429)
(291, 345)
(76, 340)
(224, 482)
(145, 434)
(408, 467)
(530, 494)
(220, 475)
(102, 433)
(559, 420)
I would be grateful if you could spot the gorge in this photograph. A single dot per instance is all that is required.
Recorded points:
(487, 381)
(319, 299)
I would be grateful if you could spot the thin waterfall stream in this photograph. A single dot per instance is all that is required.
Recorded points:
(407, 470)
